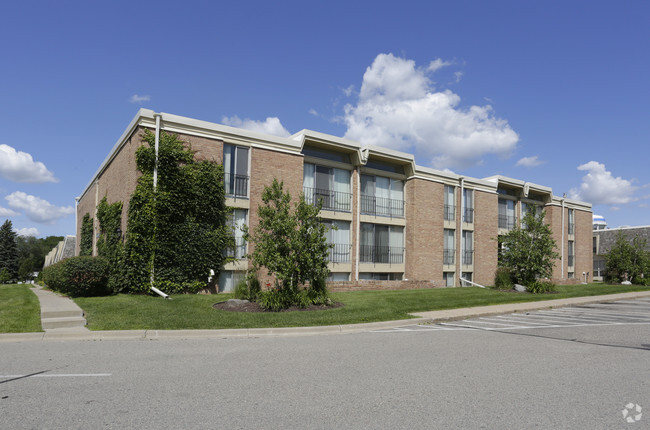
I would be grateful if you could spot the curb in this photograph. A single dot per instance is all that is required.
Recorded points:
(247, 333)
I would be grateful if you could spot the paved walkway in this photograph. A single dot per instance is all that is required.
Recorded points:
(51, 304)
(59, 314)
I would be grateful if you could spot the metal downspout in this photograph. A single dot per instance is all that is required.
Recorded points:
(562, 245)
(460, 229)
(155, 186)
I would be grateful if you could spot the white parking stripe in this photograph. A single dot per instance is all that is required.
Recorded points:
(57, 375)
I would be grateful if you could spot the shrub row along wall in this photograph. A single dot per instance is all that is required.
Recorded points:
(342, 286)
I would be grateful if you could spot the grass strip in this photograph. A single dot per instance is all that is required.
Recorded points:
(131, 312)
(20, 311)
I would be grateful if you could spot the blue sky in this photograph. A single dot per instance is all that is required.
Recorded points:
(552, 92)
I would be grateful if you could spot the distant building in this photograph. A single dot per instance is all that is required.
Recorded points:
(604, 239)
(599, 222)
(64, 249)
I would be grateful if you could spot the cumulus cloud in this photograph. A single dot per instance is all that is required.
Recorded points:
(19, 166)
(533, 161)
(599, 186)
(271, 125)
(30, 231)
(136, 99)
(37, 209)
(398, 108)
(7, 212)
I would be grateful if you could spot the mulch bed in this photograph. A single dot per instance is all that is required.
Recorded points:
(254, 307)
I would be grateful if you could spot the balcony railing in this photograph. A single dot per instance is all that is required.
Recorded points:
(340, 253)
(468, 215)
(372, 205)
(468, 257)
(382, 254)
(236, 185)
(239, 251)
(450, 212)
(507, 221)
(331, 200)
(570, 260)
(448, 256)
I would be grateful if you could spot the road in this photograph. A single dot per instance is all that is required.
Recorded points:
(469, 375)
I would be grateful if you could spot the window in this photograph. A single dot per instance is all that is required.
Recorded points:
(572, 275)
(228, 279)
(326, 154)
(595, 245)
(507, 216)
(235, 167)
(571, 222)
(340, 238)
(468, 247)
(468, 208)
(338, 277)
(571, 253)
(448, 278)
(382, 244)
(372, 276)
(526, 208)
(382, 196)
(236, 222)
(327, 185)
(449, 247)
(450, 205)
(468, 276)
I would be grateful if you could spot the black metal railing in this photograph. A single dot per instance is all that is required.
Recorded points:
(570, 260)
(331, 200)
(507, 221)
(239, 250)
(340, 253)
(468, 257)
(382, 254)
(450, 212)
(448, 256)
(235, 185)
(468, 215)
(371, 205)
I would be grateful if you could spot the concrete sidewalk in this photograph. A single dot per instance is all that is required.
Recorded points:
(421, 318)
(58, 313)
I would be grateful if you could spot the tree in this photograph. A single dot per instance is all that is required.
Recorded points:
(627, 260)
(291, 245)
(177, 231)
(8, 250)
(528, 252)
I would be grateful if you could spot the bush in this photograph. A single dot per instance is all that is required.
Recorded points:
(78, 276)
(248, 288)
(641, 281)
(503, 279)
(540, 287)
(278, 299)
(171, 287)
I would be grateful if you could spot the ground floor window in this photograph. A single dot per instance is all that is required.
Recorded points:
(448, 278)
(371, 276)
(572, 275)
(467, 275)
(228, 279)
(336, 277)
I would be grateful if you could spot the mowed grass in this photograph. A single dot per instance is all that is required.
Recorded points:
(127, 312)
(20, 311)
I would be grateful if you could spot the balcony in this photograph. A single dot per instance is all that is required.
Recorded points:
(331, 200)
(239, 251)
(371, 205)
(382, 254)
(468, 257)
(235, 185)
(450, 212)
(468, 215)
(448, 257)
(507, 221)
(340, 253)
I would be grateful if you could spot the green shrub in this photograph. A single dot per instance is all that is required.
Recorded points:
(540, 287)
(248, 288)
(171, 287)
(503, 279)
(78, 276)
(641, 281)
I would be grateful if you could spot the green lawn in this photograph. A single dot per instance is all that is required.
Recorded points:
(126, 312)
(20, 311)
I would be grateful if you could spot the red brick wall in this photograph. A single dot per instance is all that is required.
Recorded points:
(485, 237)
(424, 230)
(380, 285)
(584, 244)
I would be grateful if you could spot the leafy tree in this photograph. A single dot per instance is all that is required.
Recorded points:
(528, 252)
(627, 260)
(86, 240)
(4, 275)
(291, 245)
(178, 231)
(8, 250)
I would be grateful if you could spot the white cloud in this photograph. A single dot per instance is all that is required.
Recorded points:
(37, 209)
(533, 161)
(31, 231)
(271, 125)
(313, 112)
(599, 186)
(458, 75)
(7, 212)
(19, 166)
(139, 99)
(437, 64)
(348, 91)
(398, 108)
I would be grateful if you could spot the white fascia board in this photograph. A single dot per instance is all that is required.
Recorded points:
(390, 153)
(328, 139)
(570, 203)
(433, 175)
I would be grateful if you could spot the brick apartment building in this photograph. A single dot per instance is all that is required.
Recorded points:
(395, 220)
